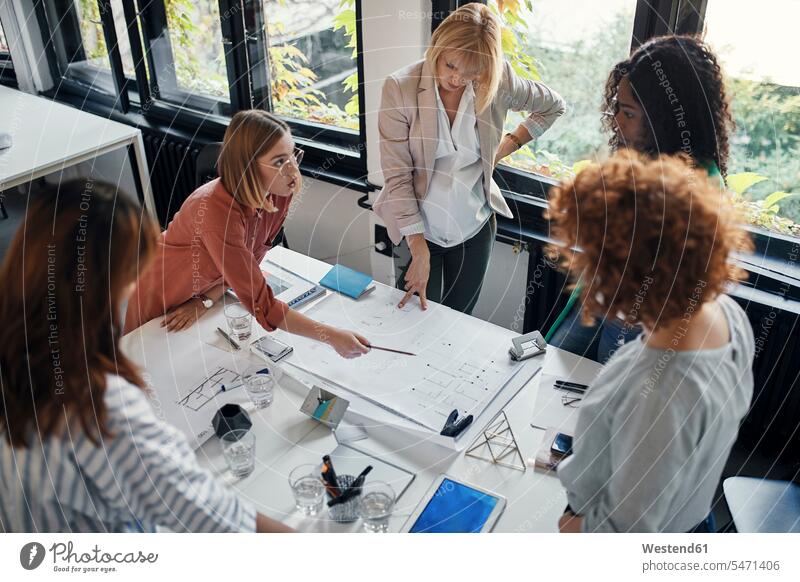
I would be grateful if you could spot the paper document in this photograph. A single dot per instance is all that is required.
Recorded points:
(557, 408)
(461, 362)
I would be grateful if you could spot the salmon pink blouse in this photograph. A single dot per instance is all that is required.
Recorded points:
(212, 239)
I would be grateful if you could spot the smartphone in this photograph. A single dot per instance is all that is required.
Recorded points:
(562, 444)
(270, 348)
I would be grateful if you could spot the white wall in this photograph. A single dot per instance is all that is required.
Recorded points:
(502, 299)
(394, 34)
(324, 221)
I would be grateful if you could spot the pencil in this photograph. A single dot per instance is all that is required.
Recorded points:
(391, 350)
(229, 338)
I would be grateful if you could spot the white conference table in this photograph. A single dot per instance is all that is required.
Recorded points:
(285, 437)
(48, 136)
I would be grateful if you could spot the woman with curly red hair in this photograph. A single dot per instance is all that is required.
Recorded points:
(667, 98)
(656, 427)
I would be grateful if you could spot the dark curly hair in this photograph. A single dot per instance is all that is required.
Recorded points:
(654, 233)
(665, 74)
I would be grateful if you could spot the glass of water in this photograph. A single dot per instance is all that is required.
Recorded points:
(376, 505)
(239, 321)
(239, 448)
(260, 385)
(308, 489)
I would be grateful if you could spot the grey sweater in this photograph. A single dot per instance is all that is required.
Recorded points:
(655, 430)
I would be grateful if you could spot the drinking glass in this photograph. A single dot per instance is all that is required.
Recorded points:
(308, 489)
(239, 448)
(260, 385)
(375, 506)
(239, 321)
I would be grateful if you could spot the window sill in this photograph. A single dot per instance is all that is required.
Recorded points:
(335, 163)
(774, 267)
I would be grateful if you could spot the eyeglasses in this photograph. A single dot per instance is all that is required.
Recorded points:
(297, 157)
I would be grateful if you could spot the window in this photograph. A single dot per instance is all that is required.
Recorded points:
(199, 61)
(185, 54)
(572, 46)
(7, 74)
(79, 43)
(312, 60)
(764, 88)
(3, 42)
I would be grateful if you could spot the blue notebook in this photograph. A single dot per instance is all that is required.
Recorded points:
(346, 281)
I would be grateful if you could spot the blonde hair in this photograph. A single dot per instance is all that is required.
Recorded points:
(250, 134)
(474, 31)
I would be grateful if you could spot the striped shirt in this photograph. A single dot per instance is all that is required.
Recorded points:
(143, 477)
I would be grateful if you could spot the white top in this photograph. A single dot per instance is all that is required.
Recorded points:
(455, 208)
(145, 476)
(654, 432)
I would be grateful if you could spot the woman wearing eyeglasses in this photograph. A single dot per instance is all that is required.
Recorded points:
(221, 233)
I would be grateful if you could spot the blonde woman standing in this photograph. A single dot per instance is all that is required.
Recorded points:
(441, 128)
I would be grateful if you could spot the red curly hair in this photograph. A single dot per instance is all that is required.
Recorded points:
(653, 237)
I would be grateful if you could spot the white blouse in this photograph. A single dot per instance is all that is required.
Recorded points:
(455, 208)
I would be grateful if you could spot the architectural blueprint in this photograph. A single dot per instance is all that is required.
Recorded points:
(460, 362)
(198, 396)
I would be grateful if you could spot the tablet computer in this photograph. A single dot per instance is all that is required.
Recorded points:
(450, 506)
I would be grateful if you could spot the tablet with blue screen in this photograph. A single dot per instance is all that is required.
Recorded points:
(453, 507)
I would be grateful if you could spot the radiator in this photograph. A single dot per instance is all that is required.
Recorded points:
(172, 164)
(773, 422)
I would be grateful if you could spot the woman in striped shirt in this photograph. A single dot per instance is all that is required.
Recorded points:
(80, 447)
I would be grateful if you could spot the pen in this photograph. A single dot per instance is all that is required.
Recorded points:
(224, 388)
(573, 384)
(329, 476)
(229, 338)
(570, 388)
(361, 476)
(353, 490)
(372, 347)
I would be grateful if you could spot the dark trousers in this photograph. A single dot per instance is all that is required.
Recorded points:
(597, 342)
(457, 272)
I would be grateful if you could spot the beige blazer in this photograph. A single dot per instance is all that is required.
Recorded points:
(408, 128)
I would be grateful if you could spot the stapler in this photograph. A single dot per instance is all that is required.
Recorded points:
(527, 346)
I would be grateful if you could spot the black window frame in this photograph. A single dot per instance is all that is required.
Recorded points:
(333, 153)
(7, 74)
(527, 192)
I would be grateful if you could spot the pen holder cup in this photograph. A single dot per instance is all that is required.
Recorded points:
(346, 512)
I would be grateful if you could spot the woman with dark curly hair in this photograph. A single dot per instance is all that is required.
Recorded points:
(667, 98)
(655, 428)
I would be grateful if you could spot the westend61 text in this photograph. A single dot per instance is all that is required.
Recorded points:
(675, 549)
